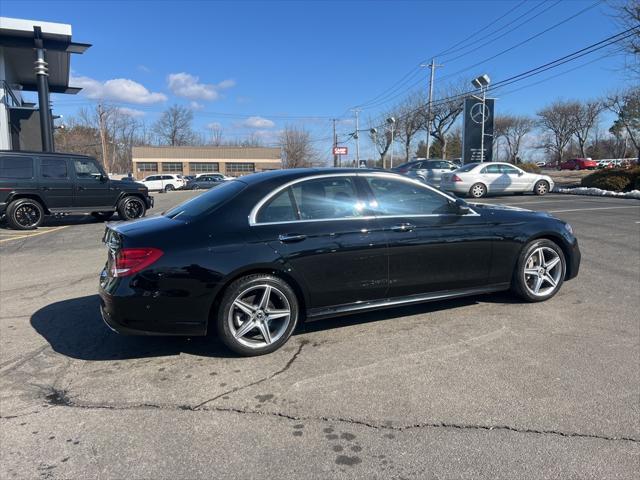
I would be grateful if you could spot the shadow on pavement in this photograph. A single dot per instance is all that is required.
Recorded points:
(75, 329)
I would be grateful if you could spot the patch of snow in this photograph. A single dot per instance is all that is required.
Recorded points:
(597, 192)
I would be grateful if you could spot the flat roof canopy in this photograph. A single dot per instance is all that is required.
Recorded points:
(17, 40)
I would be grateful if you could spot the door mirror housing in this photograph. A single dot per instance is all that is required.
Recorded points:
(461, 207)
(103, 177)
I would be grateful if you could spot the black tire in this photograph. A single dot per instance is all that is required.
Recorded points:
(521, 282)
(478, 190)
(102, 216)
(541, 187)
(195, 187)
(227, 315)
(169, 188)
(130, 208)
(25, 214)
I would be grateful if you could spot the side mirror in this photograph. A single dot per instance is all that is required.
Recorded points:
(103, 177)
(453, 167)
(461, 207)
(520, 173)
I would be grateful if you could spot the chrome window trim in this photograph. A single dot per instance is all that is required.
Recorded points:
(254, 212)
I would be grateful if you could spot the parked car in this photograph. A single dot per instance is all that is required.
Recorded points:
(428, 171)
(164, 182)
(220, 176)
(541, 163)
(203, 182)
(480, 179)
(36, 184)
(578, 164)
(314, 243)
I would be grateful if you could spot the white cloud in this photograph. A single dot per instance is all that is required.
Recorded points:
(117, 90)
(214, 125)
(258, 122)
(195, 106)
(132, 112)
(188, 86)
(144, 68)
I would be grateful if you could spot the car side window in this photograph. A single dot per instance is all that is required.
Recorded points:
(53, 168)
(509, 170)
(16, 167)
(326, 198)
(396, 197)
(491, 169)
(279, 209)
(86, 169)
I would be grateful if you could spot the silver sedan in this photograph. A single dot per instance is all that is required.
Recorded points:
(480, 179)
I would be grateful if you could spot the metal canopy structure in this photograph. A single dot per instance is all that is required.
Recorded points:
(34, 56)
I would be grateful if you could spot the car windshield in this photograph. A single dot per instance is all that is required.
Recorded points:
(468, 167)
(205, 203)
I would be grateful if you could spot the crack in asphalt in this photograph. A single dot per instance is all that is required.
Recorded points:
(257, 382)
(60, 398)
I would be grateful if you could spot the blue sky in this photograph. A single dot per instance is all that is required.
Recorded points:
(257, 66)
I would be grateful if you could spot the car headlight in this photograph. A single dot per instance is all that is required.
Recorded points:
(568, 228)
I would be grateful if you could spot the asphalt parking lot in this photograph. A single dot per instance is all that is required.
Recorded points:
(483, 387)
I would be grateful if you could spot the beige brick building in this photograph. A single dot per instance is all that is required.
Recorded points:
(233, 161)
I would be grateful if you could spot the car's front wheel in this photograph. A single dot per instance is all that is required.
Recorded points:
(130, 208)
(169, 188)
(257, 314)
(478, 190)
(25, 214)
(541, 188)
(540, 271)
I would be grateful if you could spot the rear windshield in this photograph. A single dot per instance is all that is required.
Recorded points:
(468, 167)
(206, 202)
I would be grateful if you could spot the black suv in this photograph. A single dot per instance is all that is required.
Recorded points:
(35, 184)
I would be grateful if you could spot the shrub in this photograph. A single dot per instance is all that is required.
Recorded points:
(615, 180)
(530, 167)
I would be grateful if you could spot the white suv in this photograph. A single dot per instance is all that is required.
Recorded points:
(164, 182)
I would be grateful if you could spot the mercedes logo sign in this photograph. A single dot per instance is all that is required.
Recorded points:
(479, 113)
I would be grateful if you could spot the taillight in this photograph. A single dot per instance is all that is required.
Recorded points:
(131, 260)
(455, 178)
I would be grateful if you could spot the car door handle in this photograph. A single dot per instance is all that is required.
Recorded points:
(403, 227)
(291, 237)
(80, 188)
(44, 189)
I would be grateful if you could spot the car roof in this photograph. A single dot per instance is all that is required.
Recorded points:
(295, 173)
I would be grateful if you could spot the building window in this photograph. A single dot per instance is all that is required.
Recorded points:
(240, 168)
(147, 167)
(201, 167)
(172, 167)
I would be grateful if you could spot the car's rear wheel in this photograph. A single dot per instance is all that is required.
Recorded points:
(130, 208)
(540, 271)
(169, 188)
(195, 187)
(541, 187)
(478, 190)
(257, 314)
(25, 214)
(102, 216)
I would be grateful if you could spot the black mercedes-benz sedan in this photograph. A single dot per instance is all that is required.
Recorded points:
(256, 255)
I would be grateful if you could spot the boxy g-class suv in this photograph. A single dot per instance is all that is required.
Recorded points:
(35, 184)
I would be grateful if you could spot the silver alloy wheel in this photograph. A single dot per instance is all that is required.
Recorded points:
(259, 316)
(477, 190)
(541, 188)
(542, 267)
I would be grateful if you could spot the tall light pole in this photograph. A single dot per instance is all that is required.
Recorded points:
(391, 121)
(432, 66)
(356, 136)
(482, 82)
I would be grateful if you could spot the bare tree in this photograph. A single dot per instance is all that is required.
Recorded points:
(174, 126)
(585, 118)
(626, 105)
(410, 120)
(627, 13)
(445, 114)
(557, 120)
(216, 134)
(513, 128)
(381, 139)
(297, 150)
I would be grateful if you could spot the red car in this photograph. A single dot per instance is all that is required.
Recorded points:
(578, 164)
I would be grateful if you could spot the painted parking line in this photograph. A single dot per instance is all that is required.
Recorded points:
(592, 208)
(18, 235)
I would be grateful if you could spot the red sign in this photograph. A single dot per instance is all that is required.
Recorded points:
(340, 150)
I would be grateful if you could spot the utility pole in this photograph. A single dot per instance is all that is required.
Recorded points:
(356, 135)
(432, 66)
(335, 144)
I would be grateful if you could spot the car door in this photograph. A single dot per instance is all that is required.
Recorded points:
(152, 182)
(91, 185)
(431, 247)
(516, 180)
(55, 182)
(492, 177)
(321, 230)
